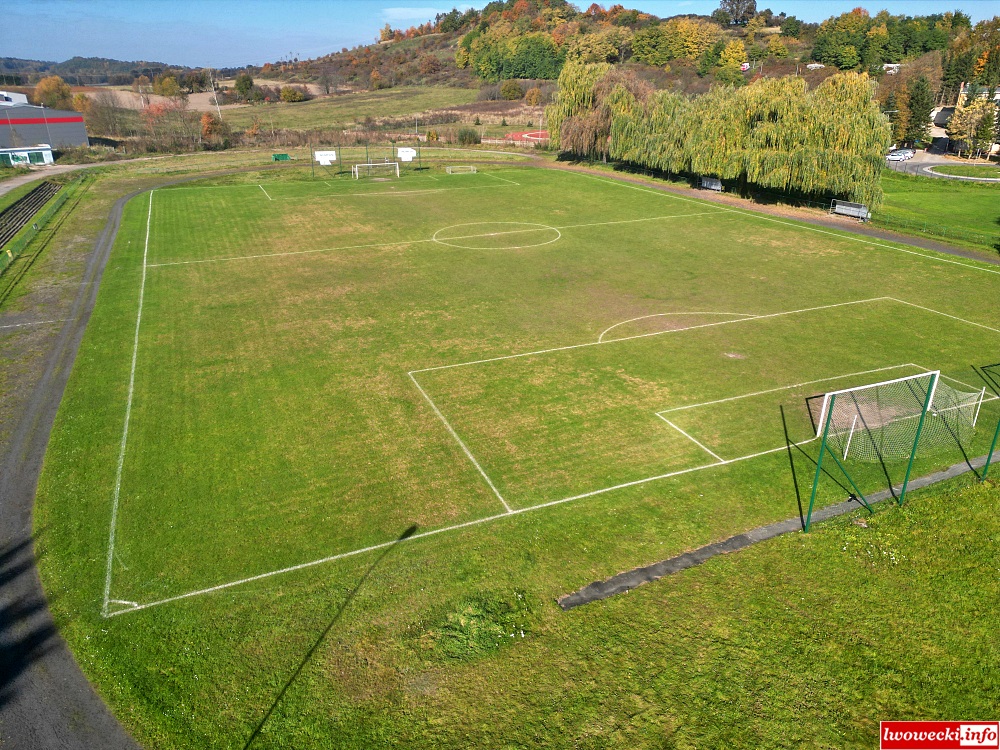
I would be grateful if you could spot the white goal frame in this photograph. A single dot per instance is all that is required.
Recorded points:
(827, 397)
(356, 169)
(461, 169)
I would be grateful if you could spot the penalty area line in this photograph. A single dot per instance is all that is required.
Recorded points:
(265, 193)
(462, 445)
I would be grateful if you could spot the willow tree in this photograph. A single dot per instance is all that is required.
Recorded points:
(575, 95)
(845, 137)
(651, 132)
(589, 133)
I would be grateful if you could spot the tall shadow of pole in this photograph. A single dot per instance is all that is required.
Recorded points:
(322, 636)
(27, 633)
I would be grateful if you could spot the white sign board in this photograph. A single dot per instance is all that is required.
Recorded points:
(405, 153)
(325, 157)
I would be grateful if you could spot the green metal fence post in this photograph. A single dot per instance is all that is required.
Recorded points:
(920, 427)
(989, 456)
(819, 462)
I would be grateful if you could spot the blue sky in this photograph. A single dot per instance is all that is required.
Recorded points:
(224, 33)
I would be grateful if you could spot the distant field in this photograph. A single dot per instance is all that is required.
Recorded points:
(347, 109)
(555, 377)
(970, 170)
(964, 213)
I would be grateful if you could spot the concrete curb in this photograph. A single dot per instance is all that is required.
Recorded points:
(624, 582)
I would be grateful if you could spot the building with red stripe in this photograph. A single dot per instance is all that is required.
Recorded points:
(27, 125)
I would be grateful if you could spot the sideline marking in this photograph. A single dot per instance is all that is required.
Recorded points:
(660, 315)
(265, 193)
(128, 416)
(803, 225)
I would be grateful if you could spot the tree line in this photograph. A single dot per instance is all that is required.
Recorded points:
(774, 134)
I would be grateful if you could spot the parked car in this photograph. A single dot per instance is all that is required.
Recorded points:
(895, 156)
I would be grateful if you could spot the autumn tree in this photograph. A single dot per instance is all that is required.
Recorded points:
(53, 92)
(971, 126)
(733, 55)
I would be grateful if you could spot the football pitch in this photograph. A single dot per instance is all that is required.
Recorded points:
(281, 376)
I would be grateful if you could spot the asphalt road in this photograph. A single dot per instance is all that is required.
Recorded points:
(923, 162)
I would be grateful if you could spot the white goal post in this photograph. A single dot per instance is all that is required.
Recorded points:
(879, 421)
(356, 170)
(466, 169)
(888, 421)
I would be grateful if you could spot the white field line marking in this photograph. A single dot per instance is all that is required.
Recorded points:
(938, 312)
(265, 193)
(712, 453)
(786, 388)
(34, 323)
(633, 221)
(660, 315)
(292, 252)
(496, 177)
(761, 217)
(128, 417)
(462, 445)
(647, 335)
(443, 529)
(387, 244)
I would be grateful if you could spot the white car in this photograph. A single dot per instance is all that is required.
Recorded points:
(896, 156)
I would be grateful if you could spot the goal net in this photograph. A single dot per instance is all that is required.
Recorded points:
(886, 423)
(468, 169)
(375, 168)
(880, 421)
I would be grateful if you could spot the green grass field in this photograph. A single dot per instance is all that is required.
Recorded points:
(347, 109)
(961, 213)
(970, 170)
(555, 377)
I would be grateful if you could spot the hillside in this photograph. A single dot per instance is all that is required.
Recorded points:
(81, 71)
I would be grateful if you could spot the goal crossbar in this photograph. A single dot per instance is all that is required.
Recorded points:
(831, 395)
(391, 165)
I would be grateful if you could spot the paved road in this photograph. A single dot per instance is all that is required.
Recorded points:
(923, 162)
(40, 174)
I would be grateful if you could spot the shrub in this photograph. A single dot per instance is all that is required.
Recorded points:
(511, 90)
(290, 94)
(468, 136)
(533, 96)
(478, 121)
